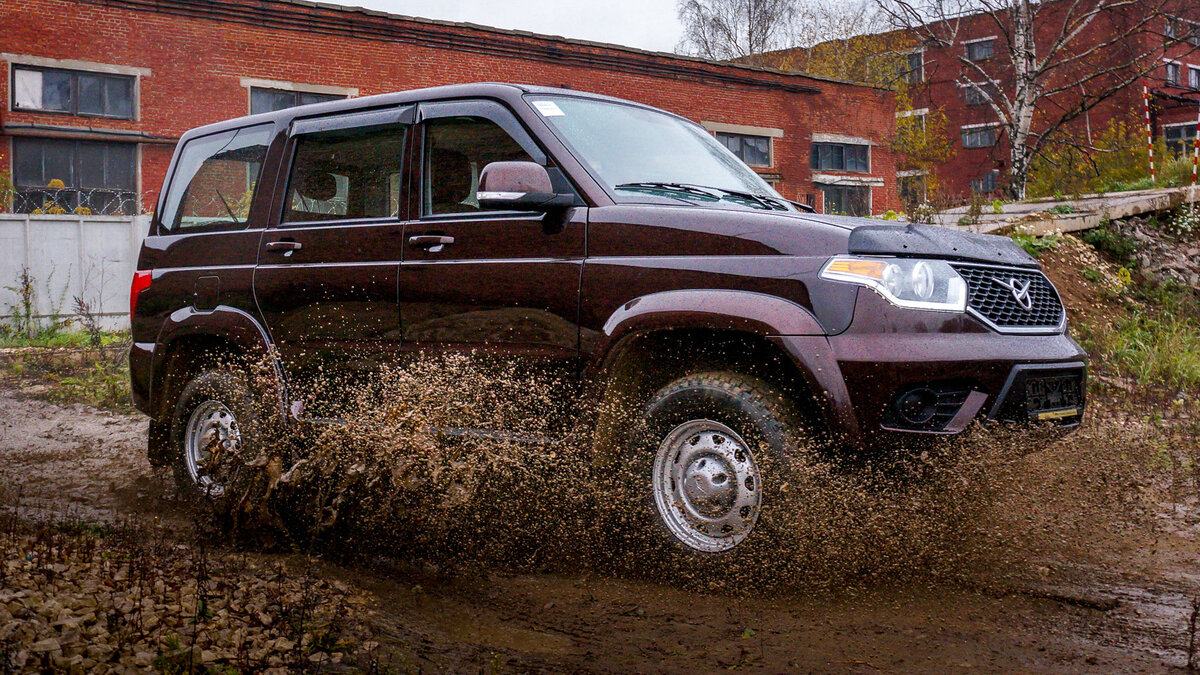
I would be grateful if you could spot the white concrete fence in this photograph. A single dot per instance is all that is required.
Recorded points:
(92, 257)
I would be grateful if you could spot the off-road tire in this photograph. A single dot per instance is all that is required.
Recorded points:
(760, 415)
(228, 389)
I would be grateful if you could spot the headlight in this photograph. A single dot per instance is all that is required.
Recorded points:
(904, 282)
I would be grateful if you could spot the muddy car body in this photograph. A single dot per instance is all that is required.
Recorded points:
(560, 228)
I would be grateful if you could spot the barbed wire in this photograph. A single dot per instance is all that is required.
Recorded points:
(76, 201)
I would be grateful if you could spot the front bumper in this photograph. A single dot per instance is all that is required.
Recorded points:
(967, 370)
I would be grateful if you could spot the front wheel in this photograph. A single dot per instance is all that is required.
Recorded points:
(706, 451)
(212, 422)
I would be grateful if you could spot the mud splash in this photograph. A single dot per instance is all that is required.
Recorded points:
(412, 465)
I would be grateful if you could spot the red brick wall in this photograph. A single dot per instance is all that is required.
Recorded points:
(942, 69)
(197, 62)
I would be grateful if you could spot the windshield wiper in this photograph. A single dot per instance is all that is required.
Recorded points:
(770, 203)
(674, 187)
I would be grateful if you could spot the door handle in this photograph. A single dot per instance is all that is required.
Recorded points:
(285, 246)
(430, 242)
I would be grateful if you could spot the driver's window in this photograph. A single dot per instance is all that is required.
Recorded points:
(456, 150)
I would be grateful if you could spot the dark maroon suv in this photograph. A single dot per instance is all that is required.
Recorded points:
(617, 244)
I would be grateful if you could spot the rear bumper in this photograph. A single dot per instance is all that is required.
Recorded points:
(141, 358)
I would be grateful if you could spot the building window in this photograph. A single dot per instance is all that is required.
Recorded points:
(753, 150)
(979, 137)
(914, 67)
(846, 200)
(1194, 77)
(981, 50)
(1180, 29)
(52, 175)
(978, 93)
(841, 157)
(1180, 138)
(264, 100)
(986, 183)
(75, 92)
(1172, 74)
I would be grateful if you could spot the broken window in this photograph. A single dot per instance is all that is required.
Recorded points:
(75, 92)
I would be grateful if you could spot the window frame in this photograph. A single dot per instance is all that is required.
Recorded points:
(403, 115)
(919, 70)
(1168, 67)
(993, 127)
(161, 228)
(770, 147)
(74, 74)
(1187, 137)
(295, 92)
(814, 159)
(991, 177)
(868, 203)
(969, 44)
(76, 189)
(1193, 81)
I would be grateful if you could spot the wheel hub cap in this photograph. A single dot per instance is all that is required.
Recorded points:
(706, 486)
(211, 435)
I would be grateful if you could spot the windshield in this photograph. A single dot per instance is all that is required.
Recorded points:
(635, 152)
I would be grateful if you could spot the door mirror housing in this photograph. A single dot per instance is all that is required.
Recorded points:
(519, 186)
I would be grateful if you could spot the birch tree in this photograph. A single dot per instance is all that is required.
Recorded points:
(735, 29)
(1054, 61)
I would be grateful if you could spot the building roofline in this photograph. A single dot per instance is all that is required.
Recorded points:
(374, 24)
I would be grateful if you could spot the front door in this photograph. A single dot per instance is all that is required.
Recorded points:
(478, 281)
(327, 272)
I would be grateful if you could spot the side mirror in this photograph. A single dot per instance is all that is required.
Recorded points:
(519, 186)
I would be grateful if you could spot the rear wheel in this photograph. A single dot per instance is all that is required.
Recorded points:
(212, 422)
(706, 453)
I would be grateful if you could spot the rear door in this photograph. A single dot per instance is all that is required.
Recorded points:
(327, 270)
(486, 281)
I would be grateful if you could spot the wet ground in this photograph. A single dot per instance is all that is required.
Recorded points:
(1112, 599)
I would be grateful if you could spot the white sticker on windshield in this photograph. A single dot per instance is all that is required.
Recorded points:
(549, 109)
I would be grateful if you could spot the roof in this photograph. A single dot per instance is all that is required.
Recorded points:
(359, 22)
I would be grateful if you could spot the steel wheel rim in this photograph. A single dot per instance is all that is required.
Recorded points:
(211, 434)
(706, 486)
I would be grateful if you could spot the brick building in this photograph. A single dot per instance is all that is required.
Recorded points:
(98, 91)
(934, 76)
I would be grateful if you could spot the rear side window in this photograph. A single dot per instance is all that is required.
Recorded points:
(346, 174)
(215, 180)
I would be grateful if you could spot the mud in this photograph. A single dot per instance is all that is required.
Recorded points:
(1082, 556)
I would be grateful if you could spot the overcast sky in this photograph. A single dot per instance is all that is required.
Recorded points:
(646, 24)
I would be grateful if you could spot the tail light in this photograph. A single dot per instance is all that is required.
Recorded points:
(141, 281)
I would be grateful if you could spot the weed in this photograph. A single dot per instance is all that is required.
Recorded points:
(1062, 209)
(1108, 240)
(1036, 245)
(91, 322)
(1161, 349)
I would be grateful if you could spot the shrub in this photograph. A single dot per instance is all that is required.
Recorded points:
(1106, 239)
(1036, 245)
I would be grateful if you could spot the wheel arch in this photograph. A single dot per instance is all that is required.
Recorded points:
(189, 340)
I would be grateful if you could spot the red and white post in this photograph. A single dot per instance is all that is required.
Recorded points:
(1196, 149)
(1149, 131)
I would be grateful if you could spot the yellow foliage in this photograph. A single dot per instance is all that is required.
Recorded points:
(55, 183)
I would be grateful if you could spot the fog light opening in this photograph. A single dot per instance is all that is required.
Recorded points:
(917, 406)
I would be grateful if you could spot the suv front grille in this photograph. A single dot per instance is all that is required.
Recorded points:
(991, 294)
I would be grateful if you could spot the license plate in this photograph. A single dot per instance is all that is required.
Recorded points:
(1053, 397)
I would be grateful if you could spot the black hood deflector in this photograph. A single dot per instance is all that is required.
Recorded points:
(928, 241)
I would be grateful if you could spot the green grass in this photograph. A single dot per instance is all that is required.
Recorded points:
(58, 338)
(1154, 350)
(99, 378)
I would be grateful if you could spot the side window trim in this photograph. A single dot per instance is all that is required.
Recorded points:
(374, 118)
(404, 116)
(492, 111)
